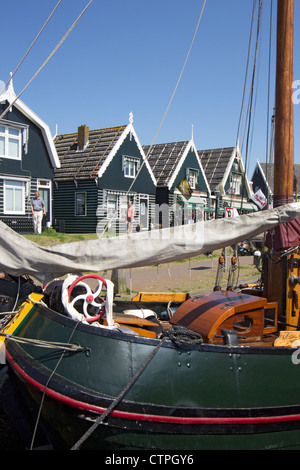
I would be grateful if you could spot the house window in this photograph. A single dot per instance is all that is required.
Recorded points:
(112, 206)
(131, 166)
(129, 169)
(235, 185)
(80, 203)
(123, 205)
(192, 177)
(14, 197)
(116, 205)
(10, 142)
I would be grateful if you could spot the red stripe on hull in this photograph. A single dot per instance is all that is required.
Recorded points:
(148, 417)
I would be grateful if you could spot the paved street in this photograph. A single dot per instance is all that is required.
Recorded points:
(190, 276)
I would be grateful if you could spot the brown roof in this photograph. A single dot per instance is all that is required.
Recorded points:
(84, 164)
(215, 163)
(164, 159)
(268, 169)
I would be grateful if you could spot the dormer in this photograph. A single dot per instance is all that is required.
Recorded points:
(15, 133)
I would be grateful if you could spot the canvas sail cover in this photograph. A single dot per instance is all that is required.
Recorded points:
(284, 235)
(20, 256)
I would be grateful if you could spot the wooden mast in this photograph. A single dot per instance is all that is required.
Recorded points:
(284, 235)
(284, 115)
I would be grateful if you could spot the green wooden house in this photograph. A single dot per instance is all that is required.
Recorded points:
(263, 179)
(28, 159)
(101, 170)
(228, 181)
(183, 193)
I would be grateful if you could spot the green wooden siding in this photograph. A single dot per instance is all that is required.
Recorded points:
(117, 224)
(236, 171)
(36, 163)
(191, 162)
(113, 177)
(164, 196)
(96, 220)
(64, 218)
(112, 182)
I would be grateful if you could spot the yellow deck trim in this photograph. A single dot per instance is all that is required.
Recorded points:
(160, 297)
(19, 317)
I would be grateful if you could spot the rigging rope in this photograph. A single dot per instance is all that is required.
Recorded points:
(269, 78)
(47, 385)
(247, 73)
(101, 418)
(177, 84)
(252, 86)
(20, 63)
(47, 60)
(43, 344)
(250, 103)
(164, 116)
(243, 110)
(180, 336)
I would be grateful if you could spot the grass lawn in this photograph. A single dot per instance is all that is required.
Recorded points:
(51, 237)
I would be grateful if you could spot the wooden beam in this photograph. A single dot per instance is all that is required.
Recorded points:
(284, 138)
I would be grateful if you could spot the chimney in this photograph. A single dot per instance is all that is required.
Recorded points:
(83, 137)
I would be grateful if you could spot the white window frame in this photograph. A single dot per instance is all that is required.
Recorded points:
(236, 184)
(193, 176)
(122, 206)
(112, 204)
(6, 137)
(10, 184)
(129, 169)
(130, 166)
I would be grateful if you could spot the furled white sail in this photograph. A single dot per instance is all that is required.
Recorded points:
(20, 256)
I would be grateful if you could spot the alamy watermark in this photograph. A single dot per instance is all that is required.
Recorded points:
(296, 94)
(164, 223)
(2, 354)
(296, 354)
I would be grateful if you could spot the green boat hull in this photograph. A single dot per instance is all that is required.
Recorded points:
(199, 396)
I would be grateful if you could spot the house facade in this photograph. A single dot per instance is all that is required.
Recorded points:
(263, 179)
(228, 181)
(182, 187)
(101, 171)
(28, 159)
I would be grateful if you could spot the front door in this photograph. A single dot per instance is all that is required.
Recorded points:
(144, 202)
(45, 195)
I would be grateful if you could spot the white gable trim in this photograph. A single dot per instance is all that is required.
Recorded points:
(179, 165)
(190, 146)
(258, 166)
(203, 173)
(236, 153)
(128, 130)
(10, 96)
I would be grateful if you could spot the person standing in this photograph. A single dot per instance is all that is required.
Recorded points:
(38, 210)
(130, 216)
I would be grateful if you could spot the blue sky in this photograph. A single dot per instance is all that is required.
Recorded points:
(126, 56)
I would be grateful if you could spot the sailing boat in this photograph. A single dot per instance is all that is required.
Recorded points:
(218, 371)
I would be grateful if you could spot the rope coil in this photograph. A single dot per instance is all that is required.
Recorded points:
(182, 337)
